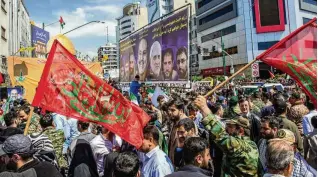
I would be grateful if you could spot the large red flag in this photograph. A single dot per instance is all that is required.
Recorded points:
(68, 88)
(296, 55)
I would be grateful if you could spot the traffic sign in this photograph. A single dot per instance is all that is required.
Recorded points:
(255, 70)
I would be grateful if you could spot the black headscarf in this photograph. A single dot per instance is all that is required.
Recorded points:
(83, 154)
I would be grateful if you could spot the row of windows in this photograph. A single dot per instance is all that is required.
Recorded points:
(217, 34)
(312, 2)
(306, 20)
(128, 32)
(125, 21)
(203, 3)
(216, 54)
(216, 14)
(266, 45)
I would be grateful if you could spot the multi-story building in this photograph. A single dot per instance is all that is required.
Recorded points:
(19, 28)
(4, 41)
(247, 28)
(111, 51)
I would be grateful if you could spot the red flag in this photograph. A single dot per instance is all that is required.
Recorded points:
(296, 55)
(271, 74)
(68, 88)
(1, 79)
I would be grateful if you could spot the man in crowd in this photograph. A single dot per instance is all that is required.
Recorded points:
(269, 128)
(307, 126)
(253, 119)
(135, 87)
(20, 152)
(176, 113)
(310, 145)
(155, 62)
(142, 61)
(12, 122)
(182, 63)
(297, 111)
(103, 144)
(280, 156)
(24, 113)
(257, 101)
(280, 107)
(156, 162)
(55, 136)
(85, 134)
(126, 165)
(185, 129)
(152, 108)
(169, 73)
(241, 154)
(197, 159)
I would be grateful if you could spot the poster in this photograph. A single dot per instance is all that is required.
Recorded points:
(39, 39)
(158, 52)
(15, 93)
(27, 72)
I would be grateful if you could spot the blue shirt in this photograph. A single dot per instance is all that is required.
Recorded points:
(156, 164)
(70, 132)
(307, 127)
(59, 121)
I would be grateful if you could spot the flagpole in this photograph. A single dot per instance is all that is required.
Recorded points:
(229, 79)
(28, 122)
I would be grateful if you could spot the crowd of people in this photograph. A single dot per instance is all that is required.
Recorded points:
(228, 134)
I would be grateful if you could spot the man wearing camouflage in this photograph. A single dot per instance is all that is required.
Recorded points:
(241, 154)
(56, 136)
(24, 113)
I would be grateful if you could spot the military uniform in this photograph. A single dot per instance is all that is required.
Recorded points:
(34, 124)
(57, 138)
(241, 154)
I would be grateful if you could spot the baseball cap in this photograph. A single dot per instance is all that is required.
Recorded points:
(16, 144)
(241, 121)
(286, 135)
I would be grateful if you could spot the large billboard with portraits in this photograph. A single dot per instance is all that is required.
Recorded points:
(158, 52)
(39, 39)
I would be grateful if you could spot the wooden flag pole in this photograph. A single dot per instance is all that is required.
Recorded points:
(28, 122)
(231, 77)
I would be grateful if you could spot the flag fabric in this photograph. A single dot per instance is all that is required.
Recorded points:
(296, 55)
(133, 98)
(155, 95)
(68, 88)
(62, 23)
(271, 74)
(1, 78)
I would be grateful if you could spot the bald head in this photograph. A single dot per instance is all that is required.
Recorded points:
(155, 58)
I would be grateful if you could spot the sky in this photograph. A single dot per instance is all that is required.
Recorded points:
(75, 13)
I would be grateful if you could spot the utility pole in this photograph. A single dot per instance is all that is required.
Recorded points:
(107, 34)
(223, 54)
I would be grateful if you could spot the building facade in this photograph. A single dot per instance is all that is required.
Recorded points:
(19, 28)
(246, 28)
(4, 41)
(111, 51)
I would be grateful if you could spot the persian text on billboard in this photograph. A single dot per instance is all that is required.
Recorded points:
(40, 38)
(158, 52)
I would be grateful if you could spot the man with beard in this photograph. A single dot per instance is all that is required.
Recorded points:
(241, 154)
(20, 157)
(168, 71)
(155, 62)
(132, 63)
(269, 128)
(197, 159)
(23, 114)
(142, 62)
(182, 64)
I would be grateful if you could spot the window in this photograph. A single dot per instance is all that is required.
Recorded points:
(269, 15)
(203, 3)
(125, 27)
(195, 21)
(266, 45)
(3, 6)
(128, 32)
(217, 34)
(125, 21)
(312, 2)
(217, 14)
(216, 54)
(306, 20)
(3, 33)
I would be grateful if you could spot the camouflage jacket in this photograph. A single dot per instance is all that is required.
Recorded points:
(57, 138)
(241, 154)
(34, 124)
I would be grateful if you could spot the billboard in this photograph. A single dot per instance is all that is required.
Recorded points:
(158, 52)
(39, 38)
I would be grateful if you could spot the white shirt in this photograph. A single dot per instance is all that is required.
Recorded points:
(101, 147)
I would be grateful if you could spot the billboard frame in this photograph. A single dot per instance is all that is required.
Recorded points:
(189, 27)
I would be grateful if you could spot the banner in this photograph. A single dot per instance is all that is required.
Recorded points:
(296, 55)
(159, 52)
(39, 39)
(68, 88)
(27, 72)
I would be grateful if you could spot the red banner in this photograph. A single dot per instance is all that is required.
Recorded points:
(296, 55)
(68, 88)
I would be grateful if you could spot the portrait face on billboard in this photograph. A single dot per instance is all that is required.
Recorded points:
(182, 64)
(167, 63)
(131, 63)
(155, 58)
(142, 57)
(14, 93)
